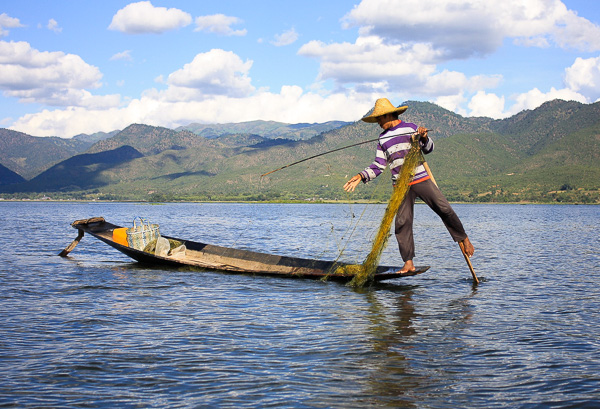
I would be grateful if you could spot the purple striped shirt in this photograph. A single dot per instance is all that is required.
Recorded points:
(393, 146)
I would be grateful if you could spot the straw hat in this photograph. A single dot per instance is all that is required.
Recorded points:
(383, 106)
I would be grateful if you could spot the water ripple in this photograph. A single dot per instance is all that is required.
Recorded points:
(97, 330)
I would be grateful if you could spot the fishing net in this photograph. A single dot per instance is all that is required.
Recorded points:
(365, 272)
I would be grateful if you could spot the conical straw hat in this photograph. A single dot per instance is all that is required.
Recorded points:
(383, 106)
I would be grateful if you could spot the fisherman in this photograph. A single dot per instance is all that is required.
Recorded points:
(394, 143)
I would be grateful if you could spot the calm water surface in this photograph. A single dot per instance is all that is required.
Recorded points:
(98, 330)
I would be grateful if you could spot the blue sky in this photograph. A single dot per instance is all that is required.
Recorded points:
(71, 67)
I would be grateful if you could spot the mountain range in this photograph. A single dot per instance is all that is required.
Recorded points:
(550, 154)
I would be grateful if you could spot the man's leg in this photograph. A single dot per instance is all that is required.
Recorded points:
(436, 200)
(404, 230)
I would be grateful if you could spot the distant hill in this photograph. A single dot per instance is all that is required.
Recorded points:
(149, 140)
(85, 171)
(8, 177)
(29, 155)
(545, 152)
(266, 129)
(533, 130)
(444, 123)
(95, 137)
(548, 154)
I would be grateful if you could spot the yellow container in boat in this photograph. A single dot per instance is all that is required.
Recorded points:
(120, 236)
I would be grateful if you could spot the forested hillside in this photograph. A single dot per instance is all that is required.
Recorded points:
(551, 154)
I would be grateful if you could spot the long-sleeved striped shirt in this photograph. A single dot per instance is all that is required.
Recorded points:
(391, 150)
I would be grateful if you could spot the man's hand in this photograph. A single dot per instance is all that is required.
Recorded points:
(421, 135)
(352, 183)
(422, 132)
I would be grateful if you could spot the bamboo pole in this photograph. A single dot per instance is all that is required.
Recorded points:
(468, 260)
(71, 246)
(335, 150)
(426, 166)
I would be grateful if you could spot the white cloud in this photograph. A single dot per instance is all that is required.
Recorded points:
(8, 22)
(465, 28)
(584, 77)
(494, 106)
(205, 90)
(291, 105)
(123, 55)
(452, 103)
(52, 78)
(53, 26)
(216, 72)
(285, 38)
(534, 98)
(489, 105)
(66, 97)
(402, 43)
(219, 24)
(572, 31)
(142, 17)
(369, 62)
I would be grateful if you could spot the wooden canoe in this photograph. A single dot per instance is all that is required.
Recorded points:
(211, 257)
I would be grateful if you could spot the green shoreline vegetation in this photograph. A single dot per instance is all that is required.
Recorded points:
(560, 196)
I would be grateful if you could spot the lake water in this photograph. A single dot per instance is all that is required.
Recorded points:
(98, 330)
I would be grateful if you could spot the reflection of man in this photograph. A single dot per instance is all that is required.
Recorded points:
(394, 144)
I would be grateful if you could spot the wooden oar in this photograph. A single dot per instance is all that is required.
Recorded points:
(461, 245)
(71, 246)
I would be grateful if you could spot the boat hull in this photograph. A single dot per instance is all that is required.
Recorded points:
(211, 257)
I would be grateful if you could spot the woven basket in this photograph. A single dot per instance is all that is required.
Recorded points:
(141, 234)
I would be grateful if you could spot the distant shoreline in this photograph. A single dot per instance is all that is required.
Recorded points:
(2, 200)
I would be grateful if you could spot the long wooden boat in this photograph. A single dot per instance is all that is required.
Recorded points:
(211, 257)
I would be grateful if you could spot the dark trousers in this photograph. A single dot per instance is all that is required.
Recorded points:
(430, 194)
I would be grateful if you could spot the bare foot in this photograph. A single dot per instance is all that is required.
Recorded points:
(469, 249)
(408, 266)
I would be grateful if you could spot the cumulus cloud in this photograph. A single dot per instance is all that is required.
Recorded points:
(584, 77)
(205, 90)
(403, 44)
(219, 24)
(370, 61)
(142, 17)
(8, 22)
(452, 103)
(582, 84)
(216, 72)
(285, 38)
(466, 28)
(534, 98)
(52, 78)
(291, 105)
(489, 105)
